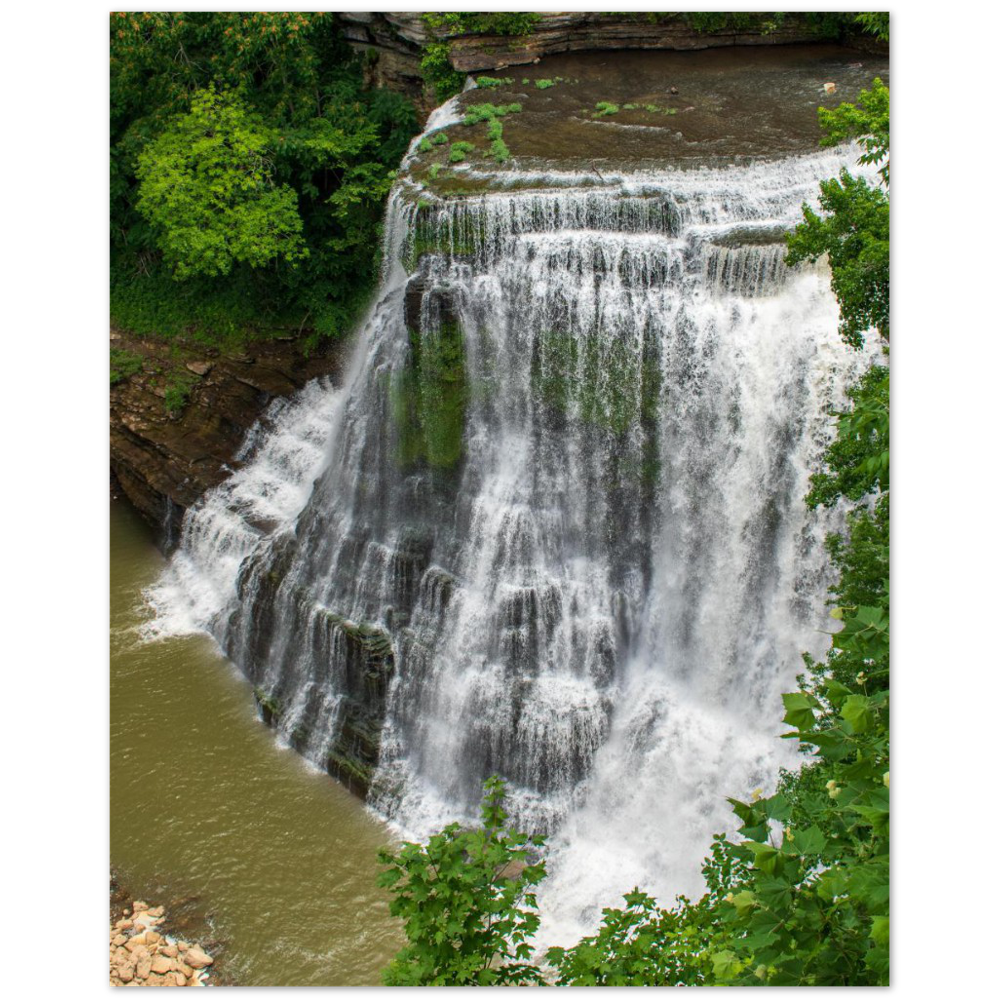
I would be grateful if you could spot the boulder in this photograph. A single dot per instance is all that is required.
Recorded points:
(196, 958)
(161, 964)
(144, 965)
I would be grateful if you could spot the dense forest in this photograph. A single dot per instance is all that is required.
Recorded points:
(249, 167)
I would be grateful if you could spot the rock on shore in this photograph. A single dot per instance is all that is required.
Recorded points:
(141, 956)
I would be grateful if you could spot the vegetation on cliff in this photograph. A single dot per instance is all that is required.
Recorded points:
(801, 897)
(443, 80)
(249, 168)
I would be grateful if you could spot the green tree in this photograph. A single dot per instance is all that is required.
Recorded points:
(206, 185)
(322, 147)
(467, 902)
(854, 233)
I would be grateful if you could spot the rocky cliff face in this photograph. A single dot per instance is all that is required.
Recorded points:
(395, 41)
(180, 414)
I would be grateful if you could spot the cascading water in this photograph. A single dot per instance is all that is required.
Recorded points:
(551, 524)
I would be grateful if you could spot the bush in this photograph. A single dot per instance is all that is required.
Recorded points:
(467, 902)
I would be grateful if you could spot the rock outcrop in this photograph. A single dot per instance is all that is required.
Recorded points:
(180, 413)
(395, 41)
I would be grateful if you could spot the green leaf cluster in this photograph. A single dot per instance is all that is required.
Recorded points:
(206, 187)
(467, 902)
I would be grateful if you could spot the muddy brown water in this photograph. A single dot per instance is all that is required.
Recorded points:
(272, 861)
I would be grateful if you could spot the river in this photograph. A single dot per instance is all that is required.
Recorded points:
(205, 802)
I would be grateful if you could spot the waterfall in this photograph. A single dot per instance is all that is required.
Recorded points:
(550, 524)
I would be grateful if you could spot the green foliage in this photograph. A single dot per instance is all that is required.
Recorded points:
(424, 146)
(178, 391)
(639, 945)
(491, 114)
(206, 187)
(443, 78)
(867, 122)
(857, 463)
(492, 82)
(475, 113)
(499, 150)
(604, 108)
(506, 23)
(854, 233)
(544, 84)
(467, 902)
(439, 138)
(436, 65)
(301, 156)
(459, 151)
(875, 23)
(124, 364)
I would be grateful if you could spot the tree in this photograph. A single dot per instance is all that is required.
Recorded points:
(467, 901)
(206, 186)
(320, 147)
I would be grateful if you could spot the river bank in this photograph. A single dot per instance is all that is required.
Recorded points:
(146, 948)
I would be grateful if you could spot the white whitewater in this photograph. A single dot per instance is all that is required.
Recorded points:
(564, 475)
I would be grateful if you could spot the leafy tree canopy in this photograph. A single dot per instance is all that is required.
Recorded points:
(275, 223)
(467, 902)
(206, 185)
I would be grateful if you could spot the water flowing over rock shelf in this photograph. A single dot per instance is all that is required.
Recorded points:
(549, 524)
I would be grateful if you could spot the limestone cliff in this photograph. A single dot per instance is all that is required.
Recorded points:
(179, 415)
(395, 41)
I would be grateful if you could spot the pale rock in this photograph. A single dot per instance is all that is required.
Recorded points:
(118, 940)
(139, 905)
(199, 367)
(137, 941)
(144, 966)
(182, 946)
(152, 937)
(125, 972)
(170, 950)
(180, 979)
(121, 955)
(184, 969)
(156, 911)
(146, 920)
(161, 964)
(196, 958)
